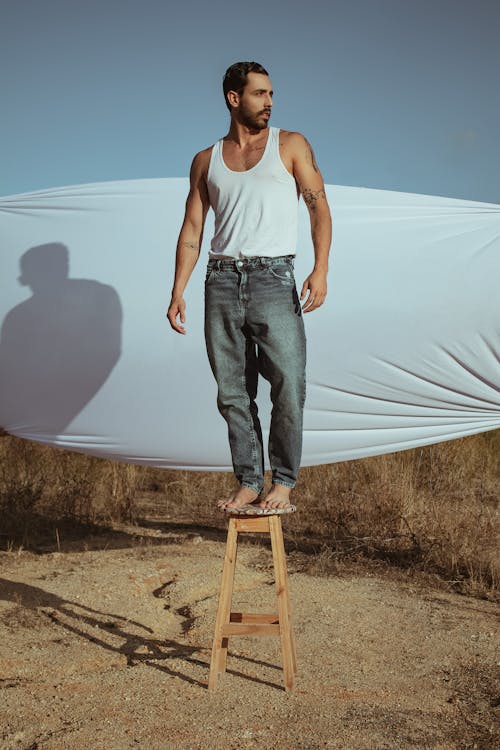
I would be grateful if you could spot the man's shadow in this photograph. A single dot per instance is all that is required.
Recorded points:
(58, 347)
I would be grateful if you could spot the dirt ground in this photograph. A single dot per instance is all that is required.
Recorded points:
(106, 645)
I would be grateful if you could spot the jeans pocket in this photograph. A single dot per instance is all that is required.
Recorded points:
(210, 272)
(283, 272)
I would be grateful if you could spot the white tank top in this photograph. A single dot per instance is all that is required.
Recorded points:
(256, 211)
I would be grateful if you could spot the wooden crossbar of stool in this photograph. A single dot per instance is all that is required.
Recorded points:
(242, 623)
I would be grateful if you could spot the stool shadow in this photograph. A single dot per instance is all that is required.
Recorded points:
(259, 680)
(71, 616)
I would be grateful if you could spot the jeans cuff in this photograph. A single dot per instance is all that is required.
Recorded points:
(284, 484)
(258, 490)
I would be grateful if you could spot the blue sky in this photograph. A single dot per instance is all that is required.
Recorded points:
(393, 94)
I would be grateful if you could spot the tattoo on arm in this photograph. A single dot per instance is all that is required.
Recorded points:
(192, 245)
(311, 197)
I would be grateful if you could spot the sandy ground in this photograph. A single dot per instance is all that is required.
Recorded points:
(106, 644)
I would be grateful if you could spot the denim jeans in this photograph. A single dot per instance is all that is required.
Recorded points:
(254, 324)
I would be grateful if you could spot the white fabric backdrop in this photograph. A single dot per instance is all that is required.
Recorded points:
(404, 352)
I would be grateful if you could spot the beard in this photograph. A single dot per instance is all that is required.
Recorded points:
(252, 120)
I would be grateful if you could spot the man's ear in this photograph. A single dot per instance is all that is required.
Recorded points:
(233, 98)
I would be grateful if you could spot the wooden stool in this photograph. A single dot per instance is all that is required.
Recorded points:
(267, 521)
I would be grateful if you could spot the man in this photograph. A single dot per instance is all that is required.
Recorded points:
(252, 178)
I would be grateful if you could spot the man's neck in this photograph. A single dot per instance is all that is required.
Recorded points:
(243, 135)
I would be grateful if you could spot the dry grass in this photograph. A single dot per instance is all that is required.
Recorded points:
(432, 508)
(435, 506)
(40, 484)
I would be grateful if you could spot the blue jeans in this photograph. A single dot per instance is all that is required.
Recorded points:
(254, 324)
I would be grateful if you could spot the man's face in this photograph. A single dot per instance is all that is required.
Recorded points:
(254, 106)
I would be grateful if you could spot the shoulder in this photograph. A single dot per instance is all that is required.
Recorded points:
(293, 139)
(201, 160)
(203, 156)
(294, 144)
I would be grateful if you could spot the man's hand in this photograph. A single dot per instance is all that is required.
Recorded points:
(177, 308)
(315, 288)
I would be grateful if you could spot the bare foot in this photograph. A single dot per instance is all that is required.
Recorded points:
(277, 497)
(243, 496)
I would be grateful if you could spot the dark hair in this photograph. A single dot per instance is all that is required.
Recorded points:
(235, 77)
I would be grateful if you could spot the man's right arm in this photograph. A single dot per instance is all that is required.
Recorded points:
(190, 238)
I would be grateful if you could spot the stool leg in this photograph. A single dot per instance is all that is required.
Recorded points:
(288, 600)
(279, 534)
(287, 638)
(220, 643)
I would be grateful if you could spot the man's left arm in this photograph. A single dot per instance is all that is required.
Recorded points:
(312, 189)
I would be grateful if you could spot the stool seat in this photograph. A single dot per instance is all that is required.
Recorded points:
(253, 519)
(256, 510)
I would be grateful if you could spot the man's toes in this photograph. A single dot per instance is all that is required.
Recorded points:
(281, 502)
(271, 502)
(223, 503)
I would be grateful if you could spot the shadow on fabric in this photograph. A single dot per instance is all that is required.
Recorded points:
(58, 347)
